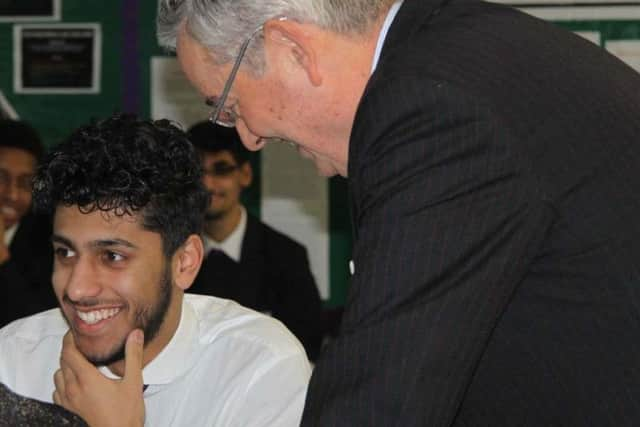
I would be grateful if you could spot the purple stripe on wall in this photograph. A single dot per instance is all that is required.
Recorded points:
(130, 57)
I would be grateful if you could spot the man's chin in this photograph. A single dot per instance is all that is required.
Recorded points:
(102, 357)
(213, 215)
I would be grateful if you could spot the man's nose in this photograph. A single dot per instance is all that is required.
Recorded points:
(250, 140)
(13, 190)
(83, 281)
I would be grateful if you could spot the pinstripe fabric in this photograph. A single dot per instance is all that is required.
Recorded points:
(494, 172)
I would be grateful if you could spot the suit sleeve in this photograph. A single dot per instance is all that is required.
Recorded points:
(446, 224)
(298, 303)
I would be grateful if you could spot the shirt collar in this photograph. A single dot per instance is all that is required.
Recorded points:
(391, 15)
(176, 358)
(9, 233)
(232, 245)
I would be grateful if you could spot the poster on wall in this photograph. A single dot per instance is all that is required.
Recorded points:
(29, 10)
(571, 10)
(6, 110)
(57, 58)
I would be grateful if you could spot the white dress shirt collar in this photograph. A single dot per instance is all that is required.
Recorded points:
(232, 245)
(9, 233)
(391, 15)
(175, 359)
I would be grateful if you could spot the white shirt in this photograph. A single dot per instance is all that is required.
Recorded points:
(391, 15)
(225, 366)
(9, 233)
(232, 245)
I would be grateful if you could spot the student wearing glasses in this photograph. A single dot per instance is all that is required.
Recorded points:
(25, 251)
(246, 260)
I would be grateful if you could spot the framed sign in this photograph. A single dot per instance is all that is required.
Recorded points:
(6, 110)
(57, 58)
(569, 10)
(29, 10)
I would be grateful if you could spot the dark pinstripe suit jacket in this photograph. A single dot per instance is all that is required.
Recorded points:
(495, 178)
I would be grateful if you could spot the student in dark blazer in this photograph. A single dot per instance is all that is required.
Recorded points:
(248, 261)
(494, 170)
(25, 246)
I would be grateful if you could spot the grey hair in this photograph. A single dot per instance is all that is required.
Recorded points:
(223, 25)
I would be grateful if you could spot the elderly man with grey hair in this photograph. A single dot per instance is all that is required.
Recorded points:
(493, 163)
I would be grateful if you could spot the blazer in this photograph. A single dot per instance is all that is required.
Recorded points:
(273, 276)
(25, 279)
(494, 171)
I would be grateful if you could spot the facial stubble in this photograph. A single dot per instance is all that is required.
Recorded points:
(148, 318)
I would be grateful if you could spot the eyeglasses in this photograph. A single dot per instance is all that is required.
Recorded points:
(222, 115)
(220, 169)
(21, 182)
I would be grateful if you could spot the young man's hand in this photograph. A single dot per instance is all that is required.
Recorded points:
(101, 401)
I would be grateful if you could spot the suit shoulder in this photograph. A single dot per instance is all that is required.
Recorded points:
(273, 237)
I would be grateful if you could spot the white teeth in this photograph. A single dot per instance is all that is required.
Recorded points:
(6, 210)
(93, 317)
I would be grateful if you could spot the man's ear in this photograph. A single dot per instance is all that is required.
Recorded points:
(296, 42)
(246, 174)
(187, 261)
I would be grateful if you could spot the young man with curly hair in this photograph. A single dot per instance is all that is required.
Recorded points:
(127, 346)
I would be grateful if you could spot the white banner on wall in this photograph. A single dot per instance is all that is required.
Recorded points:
(626, 50)
(172, 96)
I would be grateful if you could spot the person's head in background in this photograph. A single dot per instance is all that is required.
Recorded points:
(128, 204)
(226, 173)
(302, 75)
(20, 152)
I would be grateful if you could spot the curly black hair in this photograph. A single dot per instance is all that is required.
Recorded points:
(127, 166)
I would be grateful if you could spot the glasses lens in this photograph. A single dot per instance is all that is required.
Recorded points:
(226, 118)
(221, 169)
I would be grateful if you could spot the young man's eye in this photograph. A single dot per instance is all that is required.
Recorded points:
(63, 253)
(113, 256)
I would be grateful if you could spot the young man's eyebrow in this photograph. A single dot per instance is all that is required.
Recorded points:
(102, 243)
(105, 243)
(55, 238)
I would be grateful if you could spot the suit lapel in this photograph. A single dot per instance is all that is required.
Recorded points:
(410, 17)
(251, 242)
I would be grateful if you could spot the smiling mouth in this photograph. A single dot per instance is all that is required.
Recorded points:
(95, 316)
(8, 212)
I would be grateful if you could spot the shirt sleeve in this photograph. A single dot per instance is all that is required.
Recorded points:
(276, 394)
